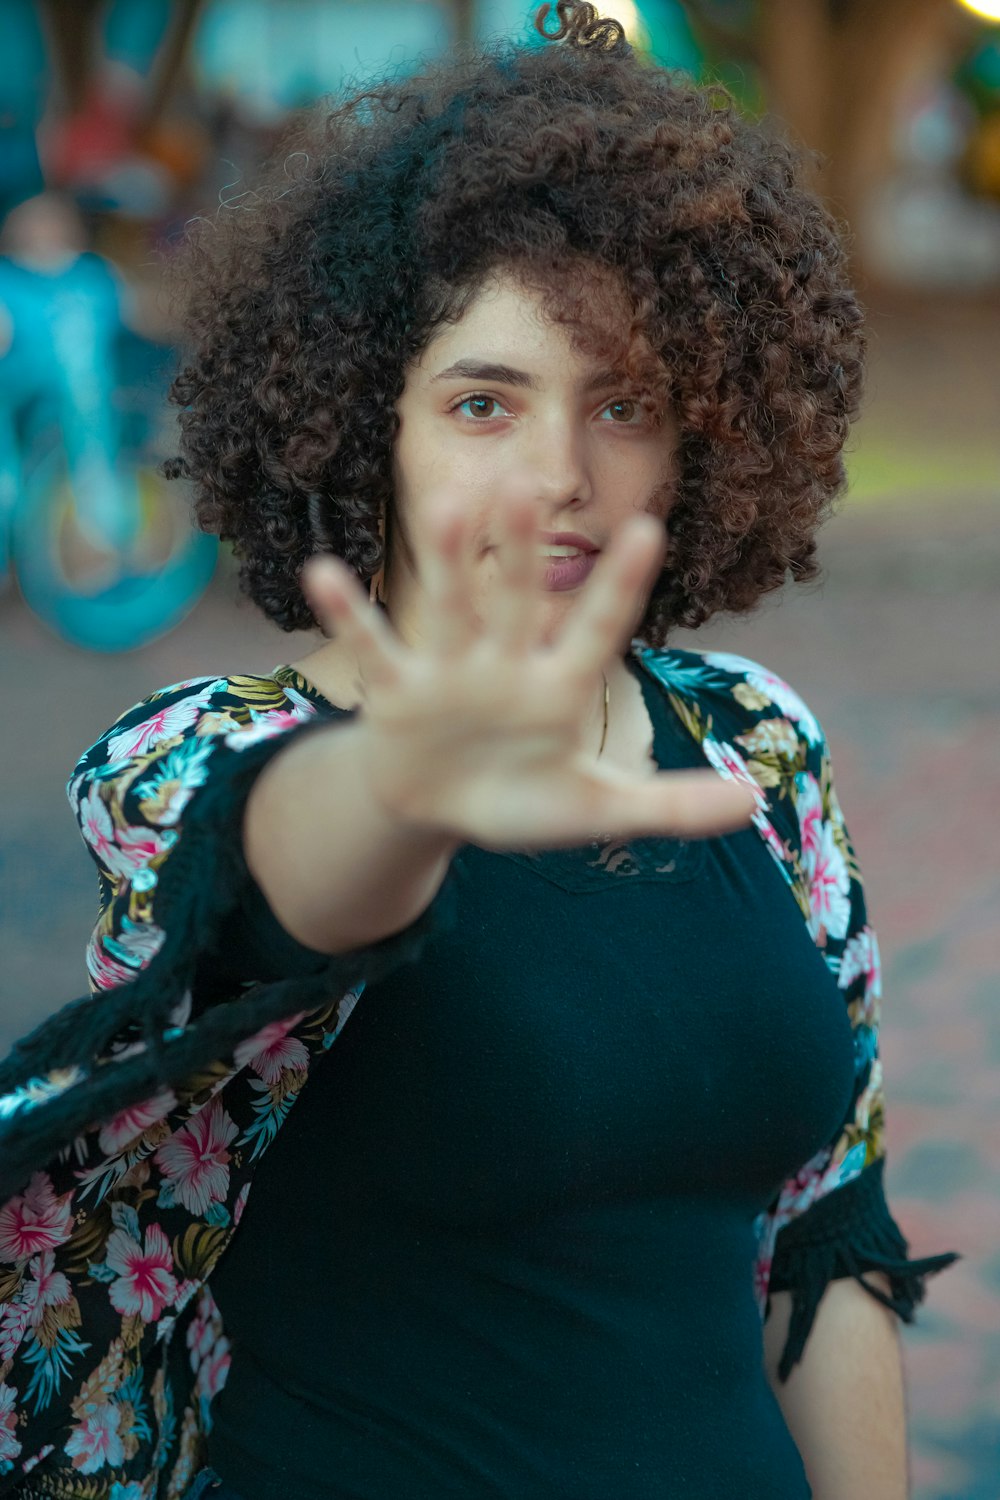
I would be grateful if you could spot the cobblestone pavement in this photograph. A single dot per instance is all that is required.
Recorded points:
(897, 653)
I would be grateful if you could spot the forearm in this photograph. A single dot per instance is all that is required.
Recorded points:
(844, 1402)
(336, 870)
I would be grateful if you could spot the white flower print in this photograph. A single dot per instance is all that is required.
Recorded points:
(265, 725)
(861, 956)
(271, 1050)
(117, 960)
(36, 1221)
(167, 722)
(195, 1159)
(9, 1445)
(123, 1128)
(96, 1440)
(146, 1284)
(97, 828)
(829, 888)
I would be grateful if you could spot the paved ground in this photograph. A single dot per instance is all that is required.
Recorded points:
(897, 653)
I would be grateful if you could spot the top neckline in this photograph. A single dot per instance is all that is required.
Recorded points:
(288, 676)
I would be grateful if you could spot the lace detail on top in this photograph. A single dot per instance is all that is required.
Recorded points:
(589, 867)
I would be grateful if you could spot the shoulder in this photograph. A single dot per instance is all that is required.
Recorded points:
(237, 709)
(737, 691)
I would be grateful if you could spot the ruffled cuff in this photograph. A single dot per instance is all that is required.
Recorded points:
(846, 1233)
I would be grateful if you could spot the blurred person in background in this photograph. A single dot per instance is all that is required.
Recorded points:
(562, 928)
(63, 312)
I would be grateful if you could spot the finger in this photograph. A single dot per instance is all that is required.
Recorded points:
(613, 598)
(337, 599)
(514, 615)
(447, 574)
(680, 804)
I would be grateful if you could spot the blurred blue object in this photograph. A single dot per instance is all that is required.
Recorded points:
(273, 58)
(23, 86)
(76, 470)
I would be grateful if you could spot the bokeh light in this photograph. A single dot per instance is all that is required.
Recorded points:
(988, 9)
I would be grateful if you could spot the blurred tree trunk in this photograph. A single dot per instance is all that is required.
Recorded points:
(69, 26)
(832, 71)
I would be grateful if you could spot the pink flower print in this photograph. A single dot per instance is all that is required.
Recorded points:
(271, 1050)
(766, 829)
(829, 888)
(96, 1440)
(123, 1128)
(36, 1221)
(809, 811)
(277, 721)
(133, 848)
(106, 972)
(143, 939)
(9, 1445)
(97, 828)
(202, 1333)
(48, 1287)
(240, 1204)
(36, 1458)
(146, 1283)
(730, 764)
(195, 1159)
(861, 956)
(209, 1348)
(169, 721)
(801, 1190)
(214, 1372)
(762, 1279)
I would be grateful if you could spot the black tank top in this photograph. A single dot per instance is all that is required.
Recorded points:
(503, 1245)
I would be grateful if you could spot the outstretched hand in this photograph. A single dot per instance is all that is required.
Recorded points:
(479, 730)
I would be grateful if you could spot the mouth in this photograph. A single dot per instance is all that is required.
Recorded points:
(569, 559)
(566, 568)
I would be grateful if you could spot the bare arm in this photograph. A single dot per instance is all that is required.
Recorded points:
(337, 870)
(844, 1402)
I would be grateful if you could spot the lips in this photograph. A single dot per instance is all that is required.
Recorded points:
(562, 573)
(567, 539)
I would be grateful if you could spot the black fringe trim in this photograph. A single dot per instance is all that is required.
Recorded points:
(846, 1233)
(199, 884)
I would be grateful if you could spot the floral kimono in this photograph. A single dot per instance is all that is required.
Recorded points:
(111, 1345)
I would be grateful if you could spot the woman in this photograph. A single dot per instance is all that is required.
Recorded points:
(554, 351)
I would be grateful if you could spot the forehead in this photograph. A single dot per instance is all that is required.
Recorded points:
(507, 316)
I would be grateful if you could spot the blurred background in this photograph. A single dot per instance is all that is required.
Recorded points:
(119, 122)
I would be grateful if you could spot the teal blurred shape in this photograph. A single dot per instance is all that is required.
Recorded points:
(278, 57)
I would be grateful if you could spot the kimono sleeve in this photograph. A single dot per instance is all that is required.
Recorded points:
(832, 1219)
(171, 774)
(160, 799)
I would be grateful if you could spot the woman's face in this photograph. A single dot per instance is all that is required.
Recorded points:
(501, 404)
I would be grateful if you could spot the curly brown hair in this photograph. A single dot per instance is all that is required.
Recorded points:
(307, 299)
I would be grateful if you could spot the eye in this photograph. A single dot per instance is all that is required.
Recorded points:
(482, 407)
(628, 411)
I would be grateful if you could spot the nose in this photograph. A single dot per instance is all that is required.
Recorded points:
(556, 464)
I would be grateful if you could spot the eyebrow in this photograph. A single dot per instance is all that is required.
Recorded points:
(477, 369)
